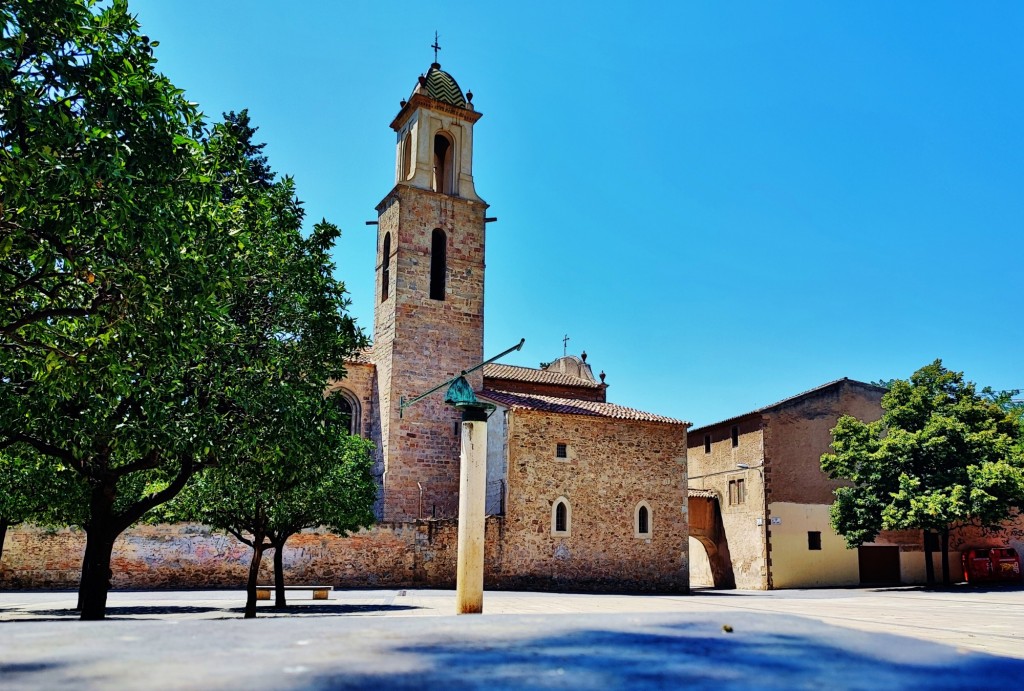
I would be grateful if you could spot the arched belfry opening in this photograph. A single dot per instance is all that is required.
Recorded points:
(444, 155)
(438, 263)
(407, 156)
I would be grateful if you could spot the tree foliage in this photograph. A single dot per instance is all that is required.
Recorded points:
(155, 287)
(323, 478)
(943, 453)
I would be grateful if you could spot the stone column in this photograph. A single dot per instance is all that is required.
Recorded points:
(469, 580)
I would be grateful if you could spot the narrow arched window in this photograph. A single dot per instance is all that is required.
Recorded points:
(407, 157)
(642, 520)
(442, 164)
(561, 517)
(385, 268)
(438, 263)
(348, 406)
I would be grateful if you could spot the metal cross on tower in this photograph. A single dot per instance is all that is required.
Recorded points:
(565, 345)
(436, 47)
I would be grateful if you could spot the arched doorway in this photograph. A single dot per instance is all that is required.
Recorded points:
(706, 528)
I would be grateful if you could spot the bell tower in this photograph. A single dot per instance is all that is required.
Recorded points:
(429, 316)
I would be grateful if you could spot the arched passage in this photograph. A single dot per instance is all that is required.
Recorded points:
(706, 527)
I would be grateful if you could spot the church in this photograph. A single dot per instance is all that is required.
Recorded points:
(583, 488)
(582, 494)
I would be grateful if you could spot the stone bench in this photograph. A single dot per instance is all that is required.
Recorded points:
(320, 592)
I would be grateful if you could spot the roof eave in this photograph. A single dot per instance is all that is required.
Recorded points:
(423, 101)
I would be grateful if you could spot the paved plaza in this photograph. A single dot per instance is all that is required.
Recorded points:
(842, 638)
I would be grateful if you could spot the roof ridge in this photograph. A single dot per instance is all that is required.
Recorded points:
(574, 406)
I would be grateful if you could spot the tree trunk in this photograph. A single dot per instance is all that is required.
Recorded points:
(279, 599)
(99, 545)
(929, 566)
(3, 535)
(95, 585)
(89, 546)
(254, 572)
(944, 536)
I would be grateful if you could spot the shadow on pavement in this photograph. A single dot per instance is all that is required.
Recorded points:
(684, 655)
(136, 612)
(324, 610)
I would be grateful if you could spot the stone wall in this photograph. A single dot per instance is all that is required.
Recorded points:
(612, 466)
(419, 554)
(715, 467)
(799, 432)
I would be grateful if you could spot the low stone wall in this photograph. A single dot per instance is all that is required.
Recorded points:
(420, 553)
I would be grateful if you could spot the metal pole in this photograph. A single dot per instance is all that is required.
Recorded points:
(469, 580)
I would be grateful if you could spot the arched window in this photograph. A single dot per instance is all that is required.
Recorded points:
(642, 520)
(385, 268)
(442, 164)
(561, 517)
(438, 263)
(407, 156)
(348, 405)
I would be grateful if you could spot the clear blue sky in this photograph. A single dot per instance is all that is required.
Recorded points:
(723, 203)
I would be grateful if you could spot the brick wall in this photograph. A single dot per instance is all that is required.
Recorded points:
(419, 554)
(420, 342)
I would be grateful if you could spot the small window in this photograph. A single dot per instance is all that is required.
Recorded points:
(561, 517)
(561, 451)
(735, 436)
(737, 492)
(385, 268)
(814, 539)
(438, 263)
(642, 520)
(707, 443)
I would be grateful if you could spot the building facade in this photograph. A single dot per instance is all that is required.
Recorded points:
(582, 493)
(759, 502)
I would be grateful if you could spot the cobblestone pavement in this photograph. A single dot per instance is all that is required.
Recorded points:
(856, 638)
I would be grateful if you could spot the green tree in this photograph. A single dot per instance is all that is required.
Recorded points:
(943, 453)
(32, 490)
(141, 319)
(321, 477)
(294, 464)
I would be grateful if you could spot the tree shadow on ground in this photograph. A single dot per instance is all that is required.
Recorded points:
(229, 612)
(324, 610)
(803, 654)
(125, 612)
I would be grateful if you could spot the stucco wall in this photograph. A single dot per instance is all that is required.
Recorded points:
(612, 466)
(796, 566)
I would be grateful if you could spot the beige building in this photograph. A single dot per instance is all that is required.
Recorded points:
(759, 502)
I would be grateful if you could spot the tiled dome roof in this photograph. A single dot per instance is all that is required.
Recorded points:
(441, 86)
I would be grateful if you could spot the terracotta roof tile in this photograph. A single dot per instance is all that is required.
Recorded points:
(537, 376)
(572, 406)
(701, 494)
(363, 357)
